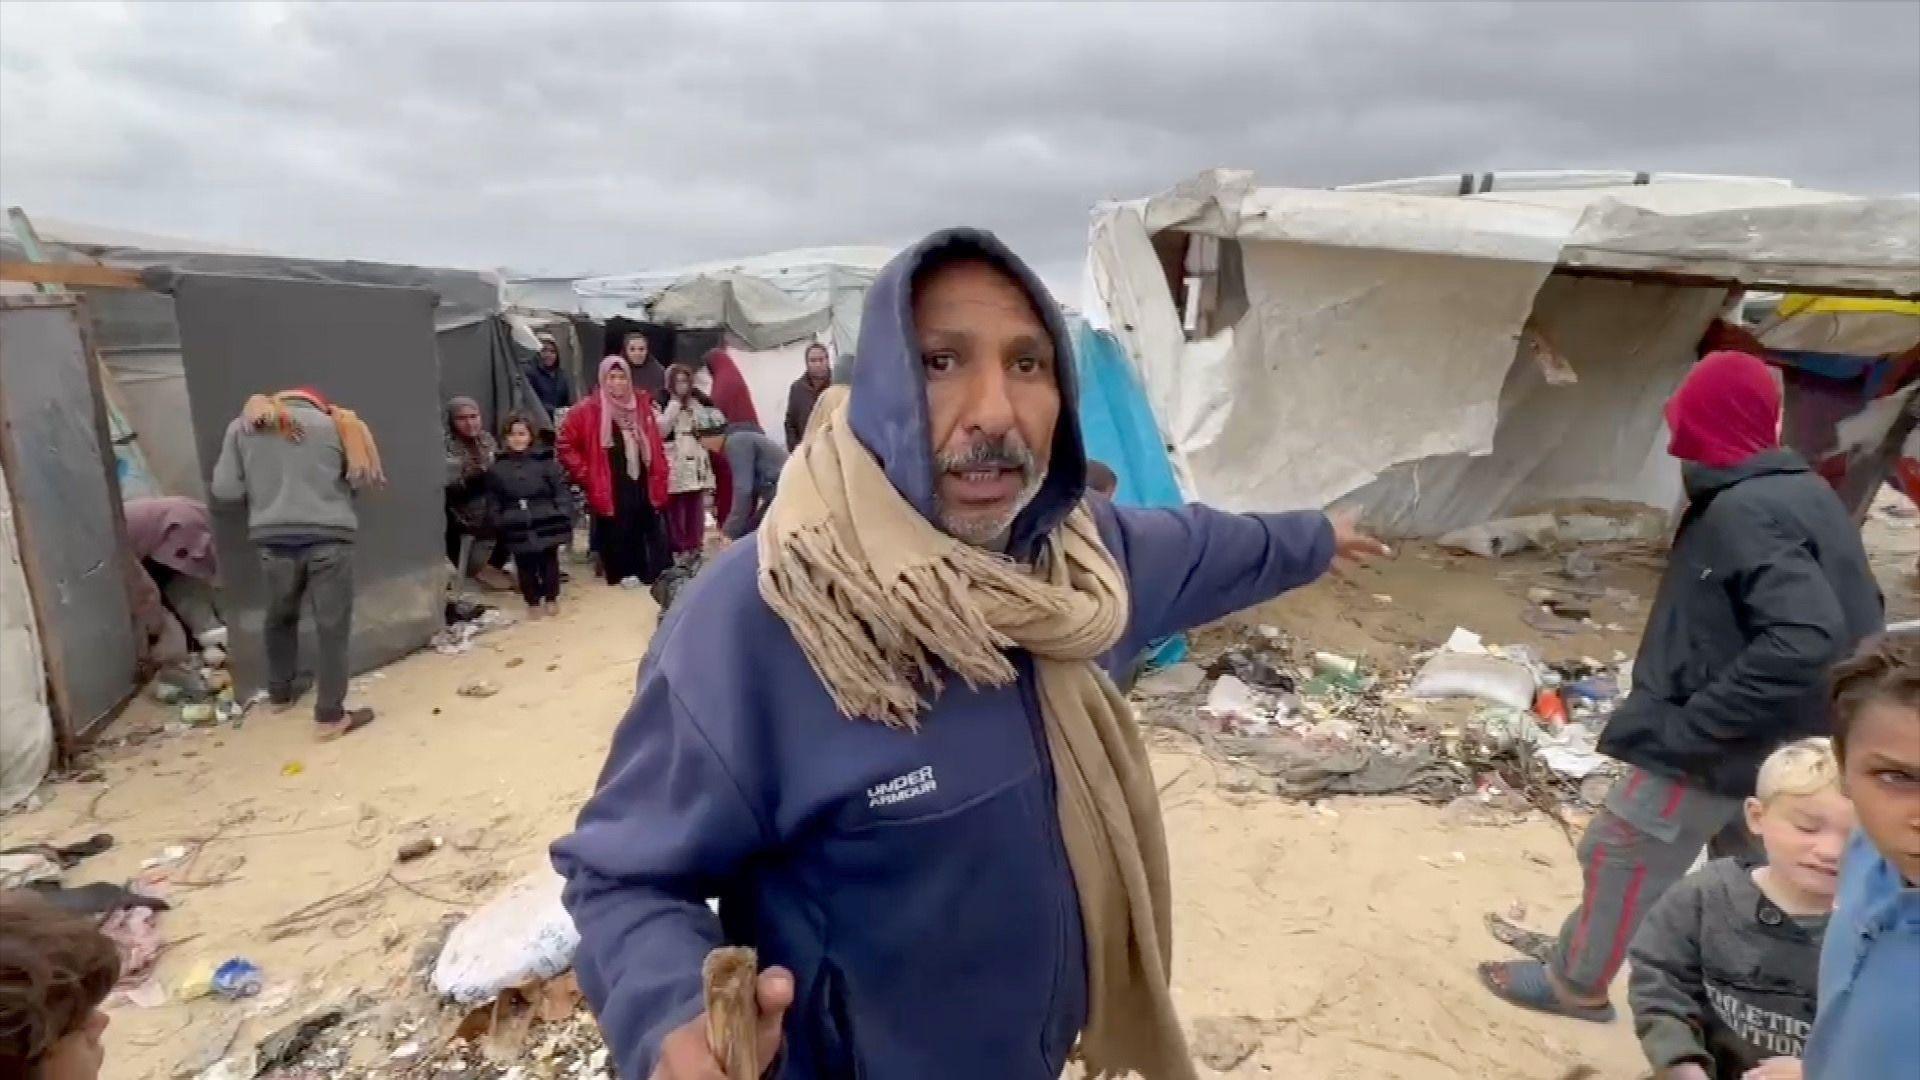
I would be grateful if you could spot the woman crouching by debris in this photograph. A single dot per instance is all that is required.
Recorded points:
(528, 495)
(610, 446)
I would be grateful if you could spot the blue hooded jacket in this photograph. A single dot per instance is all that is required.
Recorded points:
(916, 884)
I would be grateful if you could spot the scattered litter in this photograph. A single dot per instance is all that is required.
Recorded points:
(289, 1044)
(1231, 703)
(1382, 598)
(457, 637)
(135, 932)
(1254, 669)
(292, 768)
(479, 688)
(1451, 674)
(167, 857)
(1494, 539)
(1550, 708)
(1172, 681)
(522, 934)
(418, 848)
(237, 978)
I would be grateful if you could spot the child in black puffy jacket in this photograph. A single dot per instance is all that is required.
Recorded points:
(528, 493)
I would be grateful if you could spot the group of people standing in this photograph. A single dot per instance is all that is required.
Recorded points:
(646, 448)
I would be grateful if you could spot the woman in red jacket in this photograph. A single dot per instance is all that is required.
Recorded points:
(610, 446)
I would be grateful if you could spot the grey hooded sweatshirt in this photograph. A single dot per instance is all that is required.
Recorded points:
(1721, 976)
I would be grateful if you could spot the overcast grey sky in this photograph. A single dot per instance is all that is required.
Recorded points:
(606, 138)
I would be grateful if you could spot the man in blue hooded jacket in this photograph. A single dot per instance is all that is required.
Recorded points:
(884, 737)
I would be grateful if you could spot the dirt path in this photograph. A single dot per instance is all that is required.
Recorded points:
(1347, 932)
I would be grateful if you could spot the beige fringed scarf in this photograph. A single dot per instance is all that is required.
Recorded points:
(875, 595)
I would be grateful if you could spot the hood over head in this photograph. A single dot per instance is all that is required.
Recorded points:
(454, 405)
(888, 410)
(1725, 412)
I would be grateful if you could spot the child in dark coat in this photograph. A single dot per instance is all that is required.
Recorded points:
(529, 497)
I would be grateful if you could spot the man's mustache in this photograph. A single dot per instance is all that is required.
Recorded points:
(1000, 452)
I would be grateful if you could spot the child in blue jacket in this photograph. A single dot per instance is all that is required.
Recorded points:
(1870, 965)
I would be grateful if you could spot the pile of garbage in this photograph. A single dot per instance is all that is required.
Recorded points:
(1464, 719)
(201, 688)
(497, 998)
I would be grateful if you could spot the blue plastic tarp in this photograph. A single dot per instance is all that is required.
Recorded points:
(1118, 424)
(1119, 429)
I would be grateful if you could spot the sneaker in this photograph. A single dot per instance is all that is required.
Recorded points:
(534, 613)
(551, 607)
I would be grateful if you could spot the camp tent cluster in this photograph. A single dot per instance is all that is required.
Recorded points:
(1441, 360)
(1438, 352)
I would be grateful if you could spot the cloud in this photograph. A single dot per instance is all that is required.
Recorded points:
(605, 138)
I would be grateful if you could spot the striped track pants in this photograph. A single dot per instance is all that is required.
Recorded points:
(1642, 841)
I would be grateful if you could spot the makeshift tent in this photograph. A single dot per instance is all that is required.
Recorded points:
(26, 726)
(1445, 360)
(139, 340)
(762, 302)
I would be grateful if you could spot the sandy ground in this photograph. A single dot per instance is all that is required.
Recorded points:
(1346, 932)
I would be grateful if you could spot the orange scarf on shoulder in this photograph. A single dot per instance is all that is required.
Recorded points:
(356, 439)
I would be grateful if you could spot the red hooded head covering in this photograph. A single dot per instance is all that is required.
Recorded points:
(730, 394)
(1726, 411)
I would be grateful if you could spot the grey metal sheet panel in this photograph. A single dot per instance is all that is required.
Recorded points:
(371, 349)
(67, 501)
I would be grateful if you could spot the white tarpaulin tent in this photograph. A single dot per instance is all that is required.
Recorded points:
(1383, 346)
(764, 301)
(26, 727)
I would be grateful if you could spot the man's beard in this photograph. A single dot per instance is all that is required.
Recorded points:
(986, 530)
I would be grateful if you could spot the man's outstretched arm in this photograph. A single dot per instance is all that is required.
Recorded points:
(1192, 565)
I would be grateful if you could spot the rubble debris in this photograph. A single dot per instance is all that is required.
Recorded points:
(289, 1045)
(1494, 539)
(457, 636)
(479, 688)
(1171, 681)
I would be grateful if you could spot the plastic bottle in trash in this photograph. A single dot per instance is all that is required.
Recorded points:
(238, 978)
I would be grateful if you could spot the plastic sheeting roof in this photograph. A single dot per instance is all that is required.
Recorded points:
(764, 300)
(1382, 351)
(1757, 234)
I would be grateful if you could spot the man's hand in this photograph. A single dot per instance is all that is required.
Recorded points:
(1780, 1068)
(1685, 1071)
(1351, 547)
(684, 1054)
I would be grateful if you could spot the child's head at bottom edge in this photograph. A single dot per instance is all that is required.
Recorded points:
(1876, 733)
(55, 970)
(1802, 817)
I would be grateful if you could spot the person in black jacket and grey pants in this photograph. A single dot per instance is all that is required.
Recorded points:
(528, 493)
(1767, 586)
